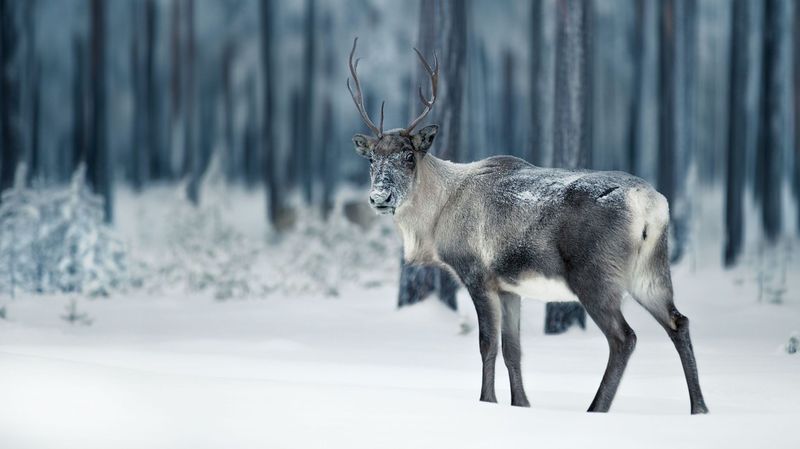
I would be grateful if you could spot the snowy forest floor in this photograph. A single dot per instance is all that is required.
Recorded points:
(163, 370)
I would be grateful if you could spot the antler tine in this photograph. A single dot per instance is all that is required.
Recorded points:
(433, 73)
(383, 103)
(358, 98)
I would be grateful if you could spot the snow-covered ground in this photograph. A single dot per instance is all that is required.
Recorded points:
(164, 369)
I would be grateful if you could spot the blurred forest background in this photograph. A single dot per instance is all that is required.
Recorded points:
(98, 97)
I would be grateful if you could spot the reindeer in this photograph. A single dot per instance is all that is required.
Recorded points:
(508, 229)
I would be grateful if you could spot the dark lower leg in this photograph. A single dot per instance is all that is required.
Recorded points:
(488, 346)
(512, 354)
(683, 343)
(488, 330)
(620, 349)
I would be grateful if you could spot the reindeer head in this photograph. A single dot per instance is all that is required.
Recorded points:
(393, 154)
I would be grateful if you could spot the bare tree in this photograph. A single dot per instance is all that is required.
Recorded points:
(637, 49)
(796, 97)
(417, 282)
(138, 163)
(771, 143)
(272, 173)
(737, 127)
(537, 83)
(571, 132)
(158, 166)
(454, 29)
(98, 160)
(78, 102)
(306, 138)
(176, 76)
(33, 76)
(229, 50)
(10, 138)
(329, 162)
(192, 164)
(508, 105)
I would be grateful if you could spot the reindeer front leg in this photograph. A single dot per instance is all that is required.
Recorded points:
(487, 304)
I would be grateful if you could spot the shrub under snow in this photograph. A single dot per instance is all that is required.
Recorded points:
(55, 240)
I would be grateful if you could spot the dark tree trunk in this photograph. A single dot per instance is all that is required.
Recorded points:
(36, 169)
(98, 161)
(229, 159)
(417, 282)
(250, 142)
(673, 112)
(666, 109)
(10, 138)
(454, 28)
(508, 107)
(570, 128)
(676, 114)
(32, 93)
(137, 164)
(154, 155)
(192, 161)
(796, 97)
(272, 173)
(637, 49)
(78, 103)
(770, 173)
(737, 125)
(537, 84)
(571, 133)
(175, 86)
(328, 167)
(295, 158)
(306, 137)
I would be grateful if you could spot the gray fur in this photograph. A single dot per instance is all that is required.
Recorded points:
(502, 225)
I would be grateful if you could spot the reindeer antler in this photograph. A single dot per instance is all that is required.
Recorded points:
(434, 75)
(358, 98)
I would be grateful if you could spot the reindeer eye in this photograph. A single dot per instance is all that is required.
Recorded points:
(409, 156)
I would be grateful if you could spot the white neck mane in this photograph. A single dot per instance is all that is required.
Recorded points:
(416, 218)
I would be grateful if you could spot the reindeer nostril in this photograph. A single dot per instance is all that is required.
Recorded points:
(388, 198)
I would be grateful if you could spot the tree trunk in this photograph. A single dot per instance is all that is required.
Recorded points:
(454, 28)
(771, 129)
(307, 136)
(137, 166)
(191, 152)
(571, 134)
(230, 162)
(78, 103)
(250, 142)
(328, 166)
(32, 93)
(10, 138)
(796, 96)
(508, 107)
(154, 155)
(737, 125)
(417, 282)
(637, 98)
(272, 173)
(175, 89)
(98, 161)
(537, 84)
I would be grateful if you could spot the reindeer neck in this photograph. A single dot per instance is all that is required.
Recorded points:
(435, 182)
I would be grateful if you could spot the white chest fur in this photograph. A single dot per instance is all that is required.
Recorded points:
(536, 286)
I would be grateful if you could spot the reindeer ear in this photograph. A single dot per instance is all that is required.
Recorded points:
(424, 138)
(364, 144)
